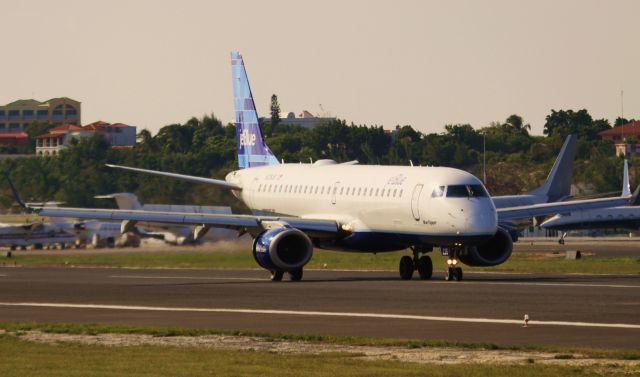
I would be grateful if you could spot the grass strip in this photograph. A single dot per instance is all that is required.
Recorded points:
(95, 329)
(20, 358)
(519, 262)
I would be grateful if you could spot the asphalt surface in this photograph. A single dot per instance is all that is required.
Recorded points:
(565, 310)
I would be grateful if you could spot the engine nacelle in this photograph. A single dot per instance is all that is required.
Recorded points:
(282, 249)
(491, 253)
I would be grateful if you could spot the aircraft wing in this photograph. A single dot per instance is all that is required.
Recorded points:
(239, 222)
(547, 209)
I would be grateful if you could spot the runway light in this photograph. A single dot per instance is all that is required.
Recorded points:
(526, 320)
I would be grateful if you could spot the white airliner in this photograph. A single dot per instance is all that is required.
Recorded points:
(346, 207)
(36, 234)
(619, 217)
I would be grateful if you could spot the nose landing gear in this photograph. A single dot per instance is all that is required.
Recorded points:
(454, 272)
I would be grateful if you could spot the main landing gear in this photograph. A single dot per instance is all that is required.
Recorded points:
(295, 275)
(422, 264)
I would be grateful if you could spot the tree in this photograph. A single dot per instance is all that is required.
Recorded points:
(564, 122)
(620, 121)
(275, 110)
(516, 122)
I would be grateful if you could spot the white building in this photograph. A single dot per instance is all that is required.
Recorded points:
(304, 119)
(59, 138)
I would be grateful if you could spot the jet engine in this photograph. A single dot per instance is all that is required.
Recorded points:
(282, 249)
(491, 253)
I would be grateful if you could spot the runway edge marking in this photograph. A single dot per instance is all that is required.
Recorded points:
(317, 314)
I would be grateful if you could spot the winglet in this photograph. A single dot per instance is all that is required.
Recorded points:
(13, 189)
(626, 188)
(634, 197)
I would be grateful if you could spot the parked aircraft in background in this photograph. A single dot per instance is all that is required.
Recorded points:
(38, 235)
(556, 188)
(171, 233)
(620, 217)
(346, 207)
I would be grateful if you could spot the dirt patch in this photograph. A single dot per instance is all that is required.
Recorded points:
(415, 355)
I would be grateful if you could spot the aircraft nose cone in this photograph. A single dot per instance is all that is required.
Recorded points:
(481, 220)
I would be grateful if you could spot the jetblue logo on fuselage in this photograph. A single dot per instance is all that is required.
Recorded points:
(247, 139)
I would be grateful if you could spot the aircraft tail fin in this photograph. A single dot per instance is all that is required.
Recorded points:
(252, 150)
(626, 188)
(558, 183)
(125, 200)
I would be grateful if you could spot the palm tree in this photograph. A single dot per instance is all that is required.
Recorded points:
(516, 122)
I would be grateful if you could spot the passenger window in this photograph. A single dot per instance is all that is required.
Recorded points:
(260, 188)
(341, 190)
(377, 190)
(400, 193)
(322, 191)
(388, 192)
(316, 190)
(437, 192)
(394, 192)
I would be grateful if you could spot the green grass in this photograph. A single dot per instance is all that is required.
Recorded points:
(519, 262)
(159, 331)
(22, 358)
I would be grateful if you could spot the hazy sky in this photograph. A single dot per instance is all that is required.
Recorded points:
(423, 63)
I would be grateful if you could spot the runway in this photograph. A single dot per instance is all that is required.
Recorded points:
(565, 310)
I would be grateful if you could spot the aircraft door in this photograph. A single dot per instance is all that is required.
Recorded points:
(334, 192)
(415, 201)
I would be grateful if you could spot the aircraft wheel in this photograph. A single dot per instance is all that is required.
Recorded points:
(276, 275)
(23, 247)
(448, 276)
(13, 247)
(458, 274)
(406, 268)
(425, 267)
(295, 275)
(561, 242)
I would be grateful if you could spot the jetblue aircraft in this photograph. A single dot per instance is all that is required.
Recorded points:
(347, 206)
(620, 217)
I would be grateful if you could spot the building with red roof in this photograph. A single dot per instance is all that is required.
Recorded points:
(60, 137)
(17, 139)
(625, 137)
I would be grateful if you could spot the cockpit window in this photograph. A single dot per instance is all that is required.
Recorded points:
(466, 191)
(437, 192)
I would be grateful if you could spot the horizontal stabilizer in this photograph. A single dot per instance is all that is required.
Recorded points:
(189, 178)
(547, 209)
